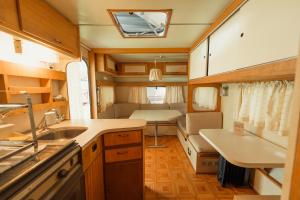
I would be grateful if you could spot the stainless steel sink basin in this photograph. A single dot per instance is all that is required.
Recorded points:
(62, 133)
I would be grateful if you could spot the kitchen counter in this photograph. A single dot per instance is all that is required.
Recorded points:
(97, 127)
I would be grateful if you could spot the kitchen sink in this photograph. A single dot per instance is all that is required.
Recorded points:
(62, 133)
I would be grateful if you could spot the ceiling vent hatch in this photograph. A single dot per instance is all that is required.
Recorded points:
(142, 24)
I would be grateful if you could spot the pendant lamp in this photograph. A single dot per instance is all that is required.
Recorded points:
(155, 73)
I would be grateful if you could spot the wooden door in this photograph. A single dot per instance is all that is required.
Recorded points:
(94, 180)
(41, 21)
(124, 180)
(9, 14)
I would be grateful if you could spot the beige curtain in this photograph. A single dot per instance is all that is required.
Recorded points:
(174, 94)
(106, 97)
(266, 105)
(205, 98)
(138, 95)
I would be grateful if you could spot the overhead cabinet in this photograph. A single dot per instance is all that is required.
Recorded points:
(39, 20)
(198, 61)
(260, 32)
(8, 15)
(105, 63)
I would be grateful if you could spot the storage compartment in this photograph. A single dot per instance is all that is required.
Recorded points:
(120, 138)
(52, 27)
(123, 154)
(198, 61)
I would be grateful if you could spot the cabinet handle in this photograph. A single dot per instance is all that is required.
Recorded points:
(122, 152)
(62, 173)
(94, 147)
(210, 54)
(189, 151)
(123, 135)
(204, 57)
(57, 41)
(242, 35)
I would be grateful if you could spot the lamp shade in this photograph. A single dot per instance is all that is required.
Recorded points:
(155, 74)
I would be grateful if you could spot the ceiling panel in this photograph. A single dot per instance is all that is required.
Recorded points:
(109, 37)
(189, 19)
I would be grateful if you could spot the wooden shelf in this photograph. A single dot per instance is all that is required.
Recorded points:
(37, 107)
(279, 70)
(30, 90)
(13, 69)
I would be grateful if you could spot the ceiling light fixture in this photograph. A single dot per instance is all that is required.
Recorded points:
(155, 73)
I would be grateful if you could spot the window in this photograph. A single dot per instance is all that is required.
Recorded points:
(140, 23)
(156, 95)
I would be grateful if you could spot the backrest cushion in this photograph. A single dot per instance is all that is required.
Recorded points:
(163, 106)
(124, 110)
(181, 107)
(109, 113)
(203, 120)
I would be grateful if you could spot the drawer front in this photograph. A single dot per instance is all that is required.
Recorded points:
(123, 154)
(90, 153)
(121, 138)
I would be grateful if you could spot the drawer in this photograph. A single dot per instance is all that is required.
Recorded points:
(90, 153)
(123, 154)
(121, 138)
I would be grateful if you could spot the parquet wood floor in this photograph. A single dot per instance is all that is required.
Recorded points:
(169, 175)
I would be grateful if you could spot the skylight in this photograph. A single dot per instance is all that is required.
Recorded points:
(133, 24)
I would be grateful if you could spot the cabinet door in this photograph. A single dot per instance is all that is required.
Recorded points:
(8, 14)
(124, 180)
(94, 188)
(258, 33)
(198, 61)
(40, 20)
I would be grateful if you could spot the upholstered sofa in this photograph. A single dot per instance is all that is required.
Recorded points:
(203, 157)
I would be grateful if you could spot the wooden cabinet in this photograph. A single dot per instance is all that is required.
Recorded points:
(258, 33)
(198, 61)
(133, 68)
(105, 63)
(8, 15)
(175, 68)
(93, 170)
(124, 165)
(39, 20)
(94, 180)
(124, 180)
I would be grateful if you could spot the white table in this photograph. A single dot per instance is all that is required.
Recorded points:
(156, 117)
(245, 150)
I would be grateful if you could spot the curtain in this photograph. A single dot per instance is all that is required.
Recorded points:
(266, 105)
(138, 95)
(174, 94)
(205, 98)
(106, 97)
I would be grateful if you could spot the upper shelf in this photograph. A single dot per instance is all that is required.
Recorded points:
(279, 70)
(13, 69)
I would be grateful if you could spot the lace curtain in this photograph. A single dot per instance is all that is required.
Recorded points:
(205, 98)
(138, 95)
(174, 94)
(265, 105)
(106, 97)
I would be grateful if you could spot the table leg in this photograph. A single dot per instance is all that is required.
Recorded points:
(156, 145)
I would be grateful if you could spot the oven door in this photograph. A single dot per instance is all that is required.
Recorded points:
(71, 186)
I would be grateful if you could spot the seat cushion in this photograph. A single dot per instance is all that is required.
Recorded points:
(124, 110)
(203, 120)
(200, 144)
(163, 106)
(181, 107)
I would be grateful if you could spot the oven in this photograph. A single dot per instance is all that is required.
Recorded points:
(62, 180)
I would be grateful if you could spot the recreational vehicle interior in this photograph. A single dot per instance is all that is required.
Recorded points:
(132, 100)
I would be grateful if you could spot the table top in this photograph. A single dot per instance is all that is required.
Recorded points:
(156, 115)
(245, 150)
